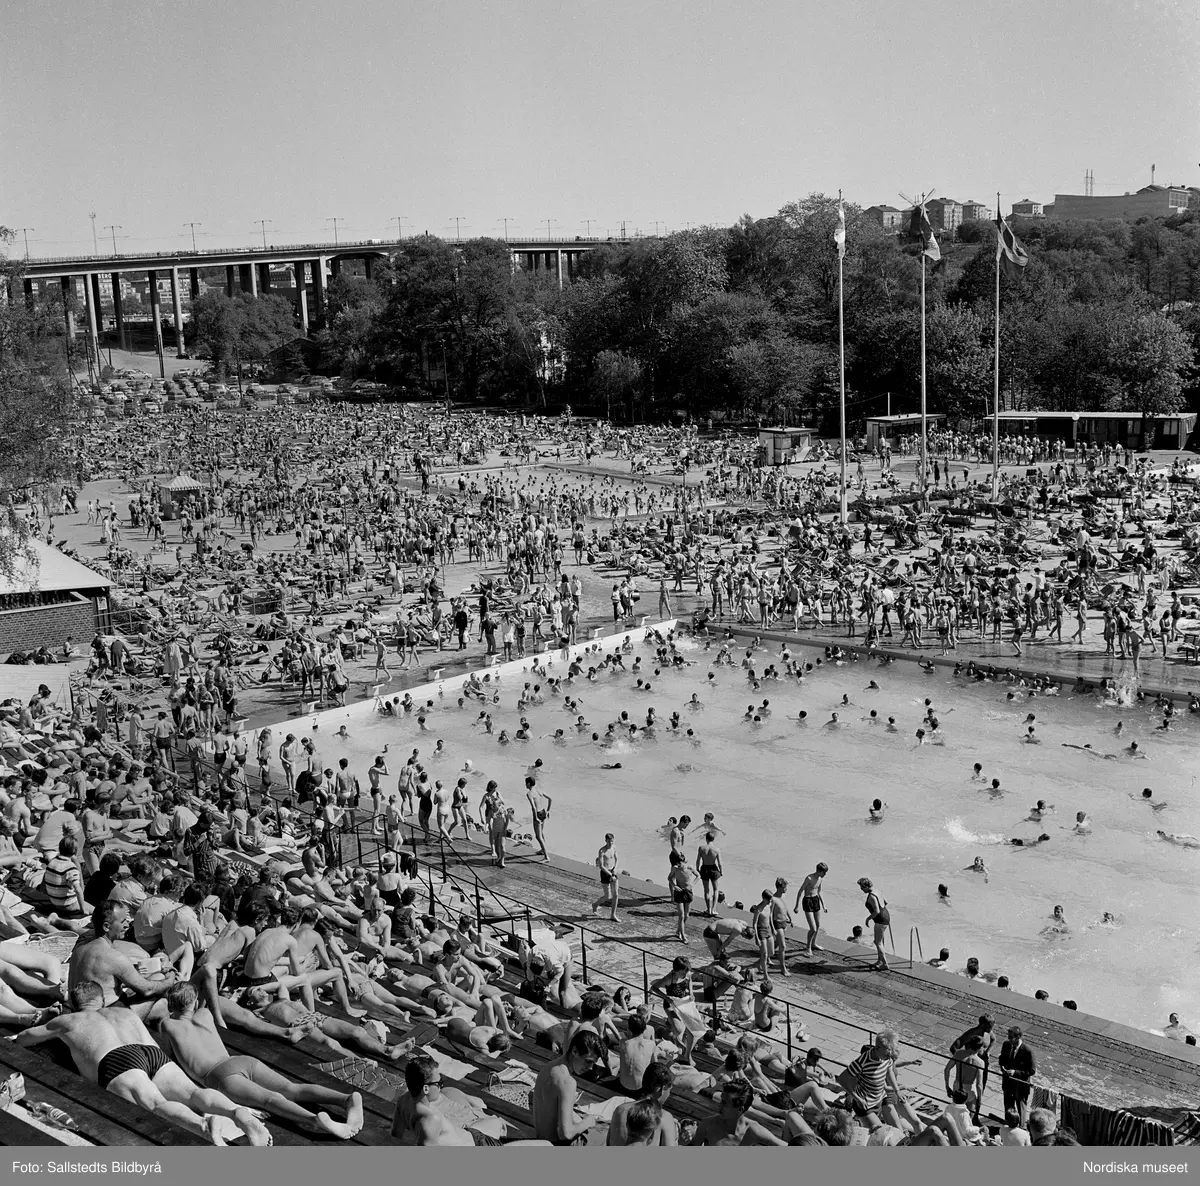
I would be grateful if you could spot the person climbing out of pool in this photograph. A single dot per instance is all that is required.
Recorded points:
(880, 919)
(808, 900)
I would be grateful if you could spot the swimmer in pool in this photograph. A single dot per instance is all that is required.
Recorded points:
(977, 866)
(876, 810)
(872, 718)
(1016, 840)
(1183, 839)
(845, 699)
(695, 702)
(611, 766)
(1039, 810)
(1031, 738)
(944, 897)
(709, 825)
(1132, 751)
(1083, 825)
(1147, 796)
(832, 723)
(343, 733)
(872, 687)
(891, 725)
(802, 717)
(977, 772)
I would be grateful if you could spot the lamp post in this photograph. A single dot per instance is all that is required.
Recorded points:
(335, 220)
(114, 229)
(193, 225)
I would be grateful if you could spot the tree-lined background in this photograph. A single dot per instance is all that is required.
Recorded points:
(741, 322)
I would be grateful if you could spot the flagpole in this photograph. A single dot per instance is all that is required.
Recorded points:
(924, 431)
(996, 382)
(842, 370)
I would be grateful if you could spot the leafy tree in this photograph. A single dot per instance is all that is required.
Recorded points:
(1152, 356)
(232, 330)
(35, 398)
(616, 378)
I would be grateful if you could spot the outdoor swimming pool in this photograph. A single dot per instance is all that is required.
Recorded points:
(789, 795)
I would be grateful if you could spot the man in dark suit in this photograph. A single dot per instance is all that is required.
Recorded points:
(1018, 1067)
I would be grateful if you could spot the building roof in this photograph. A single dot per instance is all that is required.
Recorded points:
(892, 209)
(181, 482)
(908, 416)
(53, 573)
(1043, 415)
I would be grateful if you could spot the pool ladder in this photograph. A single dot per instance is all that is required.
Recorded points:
(914, 932)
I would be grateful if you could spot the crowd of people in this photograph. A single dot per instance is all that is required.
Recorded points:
(319, 541)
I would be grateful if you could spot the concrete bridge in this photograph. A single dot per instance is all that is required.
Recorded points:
(248, 269)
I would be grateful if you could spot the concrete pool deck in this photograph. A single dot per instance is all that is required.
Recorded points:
(840, 1001)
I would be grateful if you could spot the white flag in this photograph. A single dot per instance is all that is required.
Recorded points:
(839, 235)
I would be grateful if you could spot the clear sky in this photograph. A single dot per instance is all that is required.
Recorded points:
(656, 114)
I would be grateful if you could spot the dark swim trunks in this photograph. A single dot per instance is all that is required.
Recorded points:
(130, 1058)
(810, 905)
(709, 873)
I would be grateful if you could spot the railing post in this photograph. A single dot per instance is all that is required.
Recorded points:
(788, 1008)
(432, 899)
(645, 977)
(358, 837)
(442, 843)
(910, 947)
(478, 908)
(583, 953)
(528, 925)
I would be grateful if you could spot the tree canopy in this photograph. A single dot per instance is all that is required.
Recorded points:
(740, 322)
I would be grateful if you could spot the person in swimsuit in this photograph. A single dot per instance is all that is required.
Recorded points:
(808, 899)
(425, 795)
(781, 919)
(879, 917)
(377, 770)
(730, 1126)
(763, 934)
(679, 880)
(192, 1036)
(708, 865)
(721, 932)
(607, 861)
(113, 1049)
(555, 1116)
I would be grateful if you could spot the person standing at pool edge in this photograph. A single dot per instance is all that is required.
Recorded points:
(879, 917)
(708, 865)
(606, 862)
(808, 899)
(539, 805)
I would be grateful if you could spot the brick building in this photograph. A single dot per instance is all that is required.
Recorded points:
(45, 603)
(889, 217)
(976, 212)
(945, 214)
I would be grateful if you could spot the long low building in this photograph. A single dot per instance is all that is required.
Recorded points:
(46, 602)
(1169, 430)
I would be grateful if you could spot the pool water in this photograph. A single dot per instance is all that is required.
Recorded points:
(789, 795)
